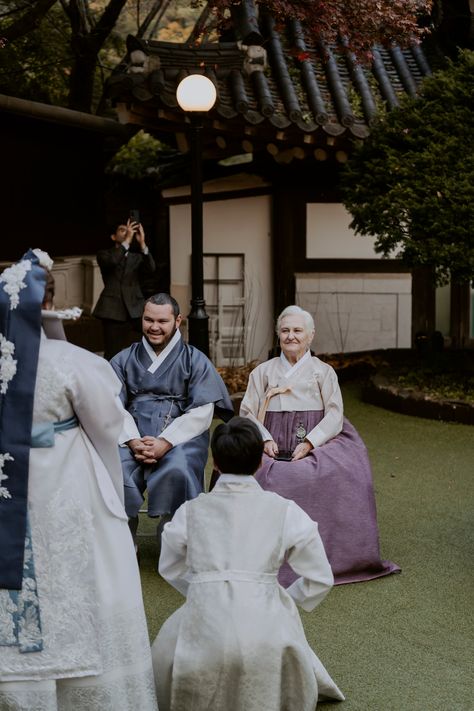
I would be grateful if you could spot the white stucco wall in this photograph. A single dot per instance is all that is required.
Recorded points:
(230, 226)
(353, 312)
(328, 235)
(357, 312)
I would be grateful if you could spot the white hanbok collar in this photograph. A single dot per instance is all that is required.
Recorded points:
(158, 358)
(231, 481)
(290, 369)
(235, 478)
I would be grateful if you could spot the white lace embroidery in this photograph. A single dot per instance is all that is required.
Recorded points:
(12, 279)
(62, 536)
(128, 692)
(53, 380)
(6, 457)
(72, 313)
(95, 658)
(20, 624)
(7, 625)
(7, 373)
(69, 314)
(312, 385)
(126, 683)
(30, 699)
(7, 363)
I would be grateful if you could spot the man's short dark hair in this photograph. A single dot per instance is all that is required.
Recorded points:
(113, 227)
(162, 299)
(237, 446)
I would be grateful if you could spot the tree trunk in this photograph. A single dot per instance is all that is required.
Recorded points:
(81, 80)
(86, 46)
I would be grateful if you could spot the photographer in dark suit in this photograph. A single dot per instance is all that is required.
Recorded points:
(120, 304)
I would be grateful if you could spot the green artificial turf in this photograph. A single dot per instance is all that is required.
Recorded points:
(404, 642)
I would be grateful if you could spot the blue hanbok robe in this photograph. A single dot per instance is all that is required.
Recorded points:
(186, 379)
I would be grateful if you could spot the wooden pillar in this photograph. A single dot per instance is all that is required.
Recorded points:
(288, 219)
(460, 313)
(161, 245)
(423, 302)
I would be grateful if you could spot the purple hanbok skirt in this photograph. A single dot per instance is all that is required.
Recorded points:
(333, 484)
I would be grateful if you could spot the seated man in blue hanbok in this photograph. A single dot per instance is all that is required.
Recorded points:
(171, 391)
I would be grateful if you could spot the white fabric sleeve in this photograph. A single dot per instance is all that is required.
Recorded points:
(189, 425)
(263, 430)
(174, 542)
(307, 557)
(94, 395)
(129, 429)
(332, 422)
(251, 403)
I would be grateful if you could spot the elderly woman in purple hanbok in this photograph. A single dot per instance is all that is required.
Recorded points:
(313, 455)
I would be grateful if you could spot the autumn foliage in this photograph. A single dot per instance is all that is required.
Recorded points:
(363, 23)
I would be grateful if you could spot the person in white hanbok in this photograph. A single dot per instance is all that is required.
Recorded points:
(87, 648)
(238, 644)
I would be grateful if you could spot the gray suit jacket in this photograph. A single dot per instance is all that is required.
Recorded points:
(122, 297)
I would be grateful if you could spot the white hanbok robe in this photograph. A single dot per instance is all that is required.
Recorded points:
(310, 384)
(96, 653)
(238, 643)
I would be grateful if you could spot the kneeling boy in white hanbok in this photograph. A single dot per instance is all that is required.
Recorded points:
(237, 644)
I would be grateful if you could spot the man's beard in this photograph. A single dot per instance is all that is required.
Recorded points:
(158, 347)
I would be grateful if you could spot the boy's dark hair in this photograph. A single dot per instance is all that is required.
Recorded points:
(162, 299)
(237, 446)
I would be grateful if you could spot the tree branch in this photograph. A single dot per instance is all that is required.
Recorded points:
(155, 8)
(27, 22)
(107, 21)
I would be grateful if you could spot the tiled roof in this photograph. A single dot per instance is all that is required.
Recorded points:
(271, 83)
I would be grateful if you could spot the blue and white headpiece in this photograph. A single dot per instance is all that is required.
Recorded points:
(22, 288)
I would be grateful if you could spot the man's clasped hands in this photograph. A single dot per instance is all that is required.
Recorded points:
(149, 449)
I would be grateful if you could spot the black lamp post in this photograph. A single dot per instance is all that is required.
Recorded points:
(196, 94)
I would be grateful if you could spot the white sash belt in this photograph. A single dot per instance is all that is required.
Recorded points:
(242, 576)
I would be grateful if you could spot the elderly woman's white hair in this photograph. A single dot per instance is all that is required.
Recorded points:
(296, 310)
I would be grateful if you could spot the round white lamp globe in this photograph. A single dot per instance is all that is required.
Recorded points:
(196, 93)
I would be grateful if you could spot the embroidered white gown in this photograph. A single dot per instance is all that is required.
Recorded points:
(96, 654)
(237, 644)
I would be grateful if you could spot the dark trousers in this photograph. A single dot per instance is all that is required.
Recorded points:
(119, 335)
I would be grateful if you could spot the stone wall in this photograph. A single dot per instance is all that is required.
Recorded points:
(357, 312)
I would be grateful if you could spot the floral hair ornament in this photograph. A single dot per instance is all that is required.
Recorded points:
(43, 258)
(51, 317)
